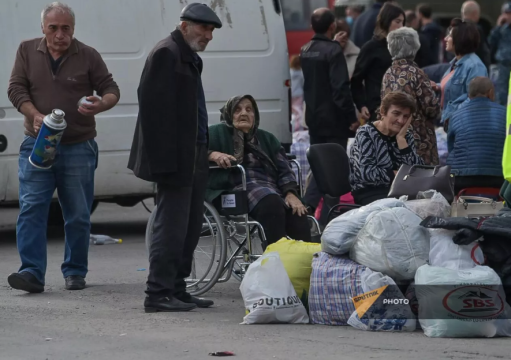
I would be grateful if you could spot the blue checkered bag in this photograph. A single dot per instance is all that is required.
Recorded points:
(299, 149)
(334, 281)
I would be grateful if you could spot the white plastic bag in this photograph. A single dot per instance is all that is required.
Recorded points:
(383, 316)
(392, 242)
(445, 253)
(428, 203)
(461, 303)
(268, 294)
(341, 232)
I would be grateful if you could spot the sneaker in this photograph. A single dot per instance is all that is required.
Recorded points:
(25, 281)
(75, 282)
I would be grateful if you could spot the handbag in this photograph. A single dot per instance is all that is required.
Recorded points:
(412, 179)
(462, 207)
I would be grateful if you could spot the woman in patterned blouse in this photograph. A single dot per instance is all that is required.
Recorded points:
(404, 75)
(380, 148)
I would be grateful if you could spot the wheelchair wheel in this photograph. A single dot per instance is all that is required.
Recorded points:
(236, 236)
(210, 253)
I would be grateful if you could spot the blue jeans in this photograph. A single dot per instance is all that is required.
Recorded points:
(72, 175)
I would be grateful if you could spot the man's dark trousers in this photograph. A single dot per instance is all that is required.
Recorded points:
(176, 231)
(313, 195)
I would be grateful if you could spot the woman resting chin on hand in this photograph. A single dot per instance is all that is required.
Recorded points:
(380, 148)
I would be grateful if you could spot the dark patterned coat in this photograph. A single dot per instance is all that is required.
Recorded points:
(404, 75)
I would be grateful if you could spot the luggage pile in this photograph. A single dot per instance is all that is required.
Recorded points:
(392, 266)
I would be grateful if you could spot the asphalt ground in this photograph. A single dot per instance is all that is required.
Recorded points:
(107, 319)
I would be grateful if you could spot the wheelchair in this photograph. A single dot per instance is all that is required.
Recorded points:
(230, 241)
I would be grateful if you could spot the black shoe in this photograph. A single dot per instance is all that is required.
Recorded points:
(189, 299)
(166, 304)
(75, 282)
(25, 281)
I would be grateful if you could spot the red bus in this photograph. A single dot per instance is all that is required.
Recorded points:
(297, 15)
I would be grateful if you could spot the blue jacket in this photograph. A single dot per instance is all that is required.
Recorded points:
(456, 90)
(475, 139)
(363, 28)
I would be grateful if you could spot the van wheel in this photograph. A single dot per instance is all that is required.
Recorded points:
(55, 215)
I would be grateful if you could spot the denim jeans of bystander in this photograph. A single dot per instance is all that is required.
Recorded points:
(72, 175)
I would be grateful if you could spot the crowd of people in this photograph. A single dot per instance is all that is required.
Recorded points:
(352, 71)
(444, 73)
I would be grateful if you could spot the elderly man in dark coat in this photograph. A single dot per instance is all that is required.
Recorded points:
(170, 147)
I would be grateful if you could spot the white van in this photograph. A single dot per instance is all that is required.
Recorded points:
(248, 55)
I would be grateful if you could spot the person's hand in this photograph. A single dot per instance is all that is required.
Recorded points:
(355, 126)
(404, 129)
(221, 159)
(342, 38)
(91, 109)
(434, 85)
(364, 112)
(38, 122)
(295, 204)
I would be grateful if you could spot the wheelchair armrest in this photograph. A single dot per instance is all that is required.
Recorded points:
(234, 165)
(348, 206)
(337, 207)
(293, 160)
(213, 165)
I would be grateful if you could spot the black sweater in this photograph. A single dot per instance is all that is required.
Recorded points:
(372, 63)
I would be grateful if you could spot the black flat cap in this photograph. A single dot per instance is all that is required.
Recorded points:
(202, 14)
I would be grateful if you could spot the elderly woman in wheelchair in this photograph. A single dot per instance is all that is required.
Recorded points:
(271, 187)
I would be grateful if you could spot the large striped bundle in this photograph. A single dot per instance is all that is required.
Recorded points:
(334, 281)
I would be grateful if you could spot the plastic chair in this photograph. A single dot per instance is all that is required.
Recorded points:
(330, 166)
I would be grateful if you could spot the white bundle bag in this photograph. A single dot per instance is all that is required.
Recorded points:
(428, 203)
(340, 234)
(445, 253)
(392, 242)
(461, 303)
(380, 316)
(269, 295)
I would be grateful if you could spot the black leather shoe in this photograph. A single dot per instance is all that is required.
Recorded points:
(75, 282)
(25, 281)
(189, 299)
(166, 304)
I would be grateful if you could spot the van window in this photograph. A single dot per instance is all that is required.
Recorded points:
(297, 13)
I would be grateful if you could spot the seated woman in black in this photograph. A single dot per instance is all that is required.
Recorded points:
(380, 148)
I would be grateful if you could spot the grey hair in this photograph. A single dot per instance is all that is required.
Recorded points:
(189, 22)
(403, 43)
(57, 6)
